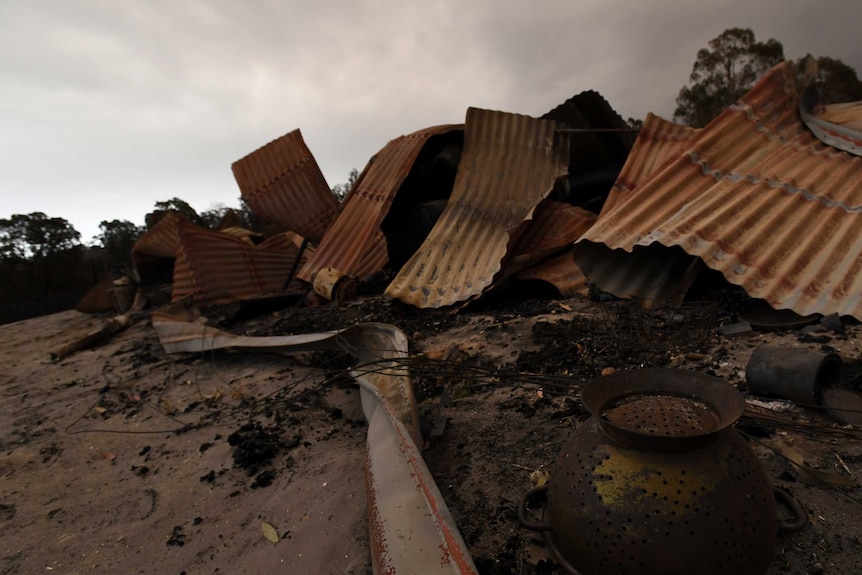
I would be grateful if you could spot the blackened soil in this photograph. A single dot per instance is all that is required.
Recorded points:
(622, 337)
(254, 446)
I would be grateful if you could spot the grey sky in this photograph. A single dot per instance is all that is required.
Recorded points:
(107, 107)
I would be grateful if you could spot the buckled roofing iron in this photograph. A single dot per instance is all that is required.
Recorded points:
(354, 245)
(759, 199)
(652, 277)
(658, 142)
(282, 182)
(509, 164)
(546, 247)
(157, 244)
(215, 268)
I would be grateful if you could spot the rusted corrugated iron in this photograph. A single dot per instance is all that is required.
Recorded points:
(282, 182)
(658, 142)
(410, 527)
(154, 251)
(560, 271)
(230, 220)
(354, 245)
(545, 247)
(759, 199)
(509, 164)
(650, 276)
(216, 268)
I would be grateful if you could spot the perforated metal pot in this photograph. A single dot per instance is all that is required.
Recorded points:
(657, 481)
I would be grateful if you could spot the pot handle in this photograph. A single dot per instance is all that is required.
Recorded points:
(522, 510)
(799, 520)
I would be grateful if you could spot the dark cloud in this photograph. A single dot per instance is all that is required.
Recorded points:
(109, 107)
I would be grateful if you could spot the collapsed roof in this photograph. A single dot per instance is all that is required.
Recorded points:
(762, 194)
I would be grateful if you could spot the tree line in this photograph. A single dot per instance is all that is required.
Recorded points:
(44, 267)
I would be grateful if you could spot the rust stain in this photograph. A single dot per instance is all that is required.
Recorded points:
(376, 533)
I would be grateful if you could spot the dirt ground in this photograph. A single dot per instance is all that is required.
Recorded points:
(122, 459)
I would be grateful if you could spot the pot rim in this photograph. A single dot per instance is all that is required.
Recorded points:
(727, 403)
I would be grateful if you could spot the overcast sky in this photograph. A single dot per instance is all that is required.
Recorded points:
(108, 106)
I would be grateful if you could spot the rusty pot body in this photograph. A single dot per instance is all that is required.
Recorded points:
(657, 481)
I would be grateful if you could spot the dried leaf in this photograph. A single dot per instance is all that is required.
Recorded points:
(269, 532)
(98, 409)
(539, 477)
(212, 396)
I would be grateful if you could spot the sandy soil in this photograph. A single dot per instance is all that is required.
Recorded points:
(97, 476)
(94, 480)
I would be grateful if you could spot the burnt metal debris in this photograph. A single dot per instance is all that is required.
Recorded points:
(510, 163)
(768, 196)
(659, 463)
(282, 182)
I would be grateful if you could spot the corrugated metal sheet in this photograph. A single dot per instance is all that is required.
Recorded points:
(653, 275)
(282, 182)
(658, 142)
(162, 240)
(355, 245)
(649, 276)
(509, 164)
(759, 199)
(217, 268)
(554, 225)
(156, 245)
(560, 271)
(548, 241)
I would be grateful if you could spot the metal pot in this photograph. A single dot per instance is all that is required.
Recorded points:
(657, 481)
